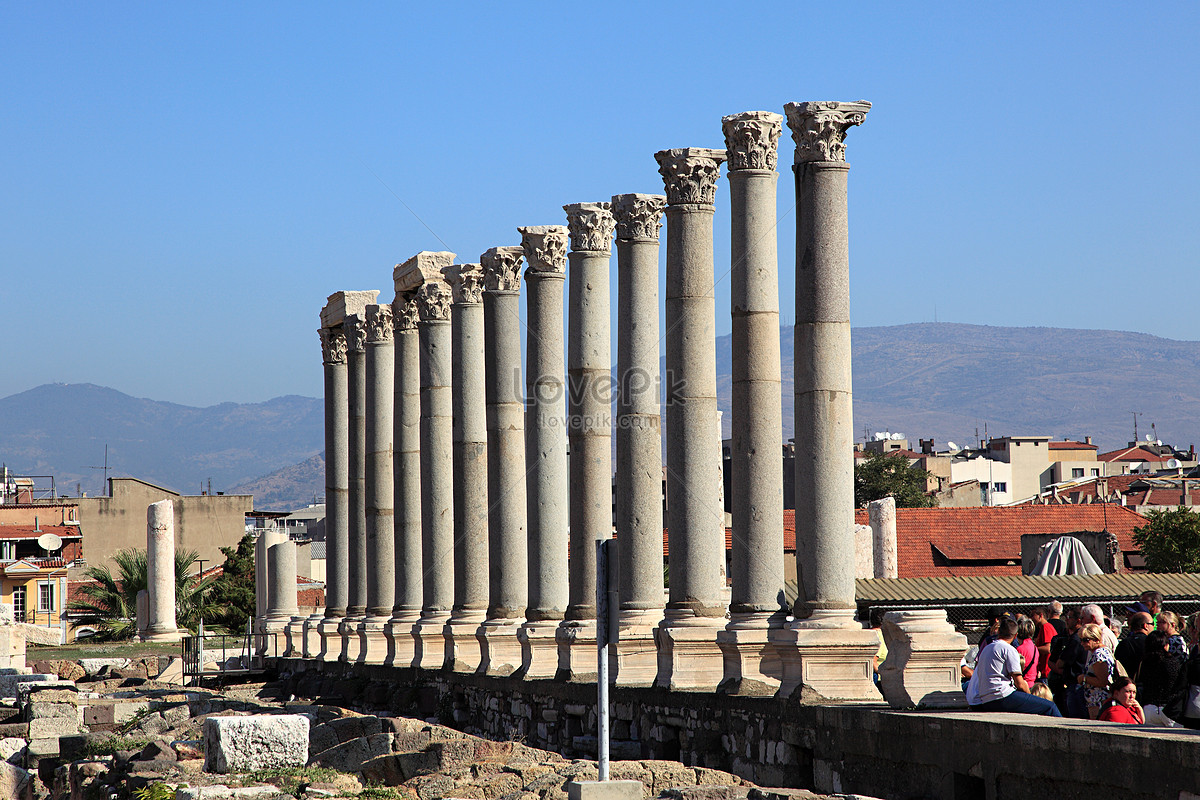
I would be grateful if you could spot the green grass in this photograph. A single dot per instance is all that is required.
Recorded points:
(292, 780)
(74, 652)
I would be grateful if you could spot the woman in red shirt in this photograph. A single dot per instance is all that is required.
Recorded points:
(1125, 707)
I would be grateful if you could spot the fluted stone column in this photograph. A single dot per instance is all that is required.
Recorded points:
(160, 572)
(406, 610)
(507, 545)
(639, 438)
(756, 463)
(470, 469)
(589, 429)
(689, 657)
(281, 599)
(356, 379)
(825, 649)
(422, 274)
(337, 464)
(381, 548)
(545, 448)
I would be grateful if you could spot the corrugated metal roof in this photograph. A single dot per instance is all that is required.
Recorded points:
(1026, 588)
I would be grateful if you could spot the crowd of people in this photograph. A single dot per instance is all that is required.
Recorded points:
(1081, 664)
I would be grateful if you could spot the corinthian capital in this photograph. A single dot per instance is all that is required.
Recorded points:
(379, 323)
(356, 332)
(752, 139)
(333, 345)
(433, 301)
(639, 216)
(590, 226)
(466, 282)
(690, 174)
(545, 248)
(404, 312)
(819, 128)
(502, 269)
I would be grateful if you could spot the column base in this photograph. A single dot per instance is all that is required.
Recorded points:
(576, 641)
(751, 663)
(689, 659)
(401, 641)
(329, 629)
(635, 657)
(294, 647)
(827, 657)
(171, 635)
(922, 665)
(273, 640)
(350, 644)
(310, 637)
(500, 647)
(463, 651)
(372, 645)
(429, 633)
(539, 649)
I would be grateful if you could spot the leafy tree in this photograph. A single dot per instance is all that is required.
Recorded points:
(108, 602)
(1170, 541)
(231, 602)
(883, 474)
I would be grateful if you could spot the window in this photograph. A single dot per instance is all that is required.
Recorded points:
(1077, 472)
(45, 595)
(8, 551)
(999, 486)
(19, 603)
(1096, 473)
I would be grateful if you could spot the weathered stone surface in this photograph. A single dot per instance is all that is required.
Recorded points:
(257, 742)
(351, 755)
(94, 666)
(11, 748)
(188, 749)
(921, 668)
(226, 792)
(158, 750)
(604, 790)
(15, 782)
(9, 683)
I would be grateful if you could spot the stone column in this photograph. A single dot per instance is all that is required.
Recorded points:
(406, 610)
(379, 504)
(337, 464)
(589, 429)
(689, 658)
(470, 469)
(160, 572)
(356, 378)
(422, 274)
(267, 538)
(545, 448)
(507, 547)
(882, 515)
(756, 463)
(281, 600)
(825, 649)
(639, 438)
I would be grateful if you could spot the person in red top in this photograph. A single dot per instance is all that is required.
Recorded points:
(1125, 707)
(1043, 633)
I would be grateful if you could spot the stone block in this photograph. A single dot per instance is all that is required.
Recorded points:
(43, 748)
(94, 666)
(233, 744)
(52, 726)
(12, 748)
(175, 716)
(350, 756)
(188, 749)
(384, 770)
(921, 669)
(9, 683)
(604, 790)
(15, 782)
(226, 793)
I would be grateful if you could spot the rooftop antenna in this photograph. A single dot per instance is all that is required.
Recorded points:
(1136, 414)
(104, 488)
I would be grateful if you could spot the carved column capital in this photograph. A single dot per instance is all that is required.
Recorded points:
(819, 128)
(545, 248)
(638, 216)
(404, 312)
(466, 283)
(502, 269)
(333, 345)
(379, 323)
(752, 139)
(690, 174)
(433, 301)
(590, 226)
(356, 333)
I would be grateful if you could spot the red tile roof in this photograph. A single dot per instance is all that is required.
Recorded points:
(30, 532)
(1072, 446)
(1136, 453)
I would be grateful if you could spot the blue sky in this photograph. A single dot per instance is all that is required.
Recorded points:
(182, 187)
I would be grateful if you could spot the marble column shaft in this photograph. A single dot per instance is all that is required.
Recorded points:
(356, 373)
(337, 472)
(160, 572)
(379, 502)
(281, 567)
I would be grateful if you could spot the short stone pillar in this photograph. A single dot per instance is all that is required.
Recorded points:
(143, 613)
(639, 500)
(281, 604)
(422, 275)
(589, 429)
(463, 652)
(406, 610)
(688, 656)
(508, 549)
(922, 665)
(882, 514)
(160, 572)
(864, 552)
(545, 448)
(825, 650)
(12, 641)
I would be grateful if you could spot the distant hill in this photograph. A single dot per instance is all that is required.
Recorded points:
(943, 380)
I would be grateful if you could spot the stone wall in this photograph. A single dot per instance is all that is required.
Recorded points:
(862, 749)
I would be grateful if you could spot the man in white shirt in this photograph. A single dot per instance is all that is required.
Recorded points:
(997, 684)
(1092, 613)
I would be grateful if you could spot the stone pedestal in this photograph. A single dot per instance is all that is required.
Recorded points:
(922, 665)
(689, 659)
(882, 514)
(160, 572)
(634, 658)
(827, 657)
(545, 249)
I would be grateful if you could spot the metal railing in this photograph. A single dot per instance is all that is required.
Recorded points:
(223, 655)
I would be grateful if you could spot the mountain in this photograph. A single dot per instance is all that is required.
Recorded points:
(940, 380)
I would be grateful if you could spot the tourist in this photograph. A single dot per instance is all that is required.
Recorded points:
(1099, 669)
(1092, 615)
(966, 667)
(1162, 681)
(989, 634)
(1125, 707)
(1115, 626)
(1152, 602)
(1130, 649)
(997, 684)
(1191, 704)
(1044, 635)
(1041, 690)
(1027, 649)
(1054, 612)
(1168, 623)
(1070, 660)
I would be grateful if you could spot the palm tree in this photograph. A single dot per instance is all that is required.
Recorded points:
(109, 601)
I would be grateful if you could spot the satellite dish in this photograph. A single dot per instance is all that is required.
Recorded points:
(952, 445)
(49, 541)
(1174, 463)
(1149, 437)
(897, 436)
